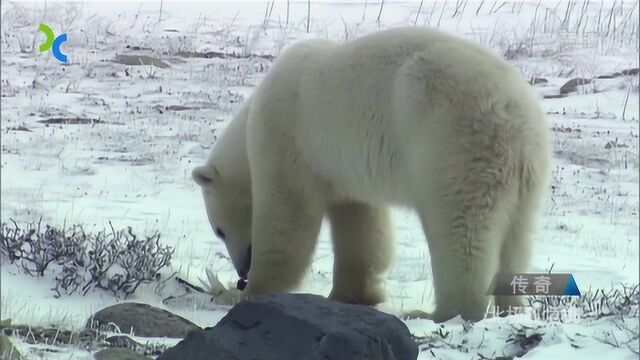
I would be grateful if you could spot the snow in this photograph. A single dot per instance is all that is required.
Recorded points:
(135, 169)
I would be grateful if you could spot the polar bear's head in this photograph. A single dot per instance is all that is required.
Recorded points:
(228, 205)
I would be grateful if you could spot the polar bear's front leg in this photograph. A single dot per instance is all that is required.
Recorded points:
(286, 223)
(363, 250)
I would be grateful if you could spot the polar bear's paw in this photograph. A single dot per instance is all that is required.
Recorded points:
(370, 296)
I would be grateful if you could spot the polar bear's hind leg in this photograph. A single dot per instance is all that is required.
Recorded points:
(517, 244)
(464, 210)
(464, 257)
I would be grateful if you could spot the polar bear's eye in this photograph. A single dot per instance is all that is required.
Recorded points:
(220, 233)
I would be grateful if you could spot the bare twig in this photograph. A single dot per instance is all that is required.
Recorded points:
(380, 12)
(479, 7)
(308, 14)
(418, 14)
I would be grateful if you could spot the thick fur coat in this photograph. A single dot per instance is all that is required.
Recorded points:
(405, 117)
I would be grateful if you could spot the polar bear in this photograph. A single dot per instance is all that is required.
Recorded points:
(407, 117)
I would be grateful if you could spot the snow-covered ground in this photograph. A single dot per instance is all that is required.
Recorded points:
(134, 169)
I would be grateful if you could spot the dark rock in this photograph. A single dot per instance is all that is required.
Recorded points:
(135, 60)
(555, 96)
(118, 354)
(627, 72)
(122, 341)
(143, 320)
(572, 85)
(49, 336)
(7, 350)
(180, 108)
(72, 121)
(609, 76)
(219, 55)
(20, 128)
(631, 72)
(537, 80)
(301, 327)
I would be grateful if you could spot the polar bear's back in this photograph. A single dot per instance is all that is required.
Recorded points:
(367, 112)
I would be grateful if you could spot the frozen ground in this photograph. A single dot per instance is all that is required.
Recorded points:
(134, 169)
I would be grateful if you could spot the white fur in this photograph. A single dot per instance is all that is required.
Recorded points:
(410, 117)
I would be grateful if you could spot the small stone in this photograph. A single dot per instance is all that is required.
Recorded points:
(143, 320)
(7, 350)
(118, 354)
(122, 341)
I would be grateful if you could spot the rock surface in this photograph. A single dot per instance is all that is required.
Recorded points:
(122, 341)
(301, 327)
(572, 85)
(7, 350)
(143, 320)
(118, 354)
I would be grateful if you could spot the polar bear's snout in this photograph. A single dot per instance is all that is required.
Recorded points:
(241, 261)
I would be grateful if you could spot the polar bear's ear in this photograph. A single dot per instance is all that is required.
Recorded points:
(205, 175)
